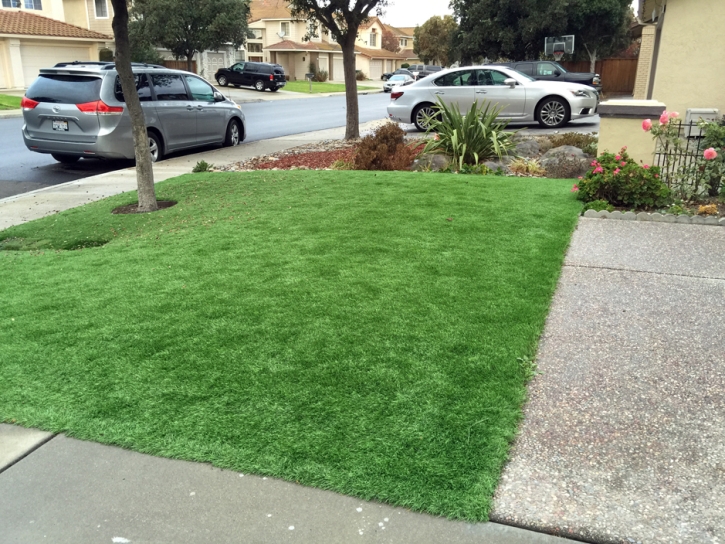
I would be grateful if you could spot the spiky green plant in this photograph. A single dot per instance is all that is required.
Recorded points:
(475, 137)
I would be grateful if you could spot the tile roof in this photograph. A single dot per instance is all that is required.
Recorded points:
(379, 53)
(408, 31)
(289, 45)
(268, 9)
(370, 22)
(28, 24)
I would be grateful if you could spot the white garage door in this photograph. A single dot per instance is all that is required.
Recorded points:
(36, 57)
(376, 69)
(216, 61)
(338, 69)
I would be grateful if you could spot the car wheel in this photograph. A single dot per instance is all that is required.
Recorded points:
(259, 85)
(553, 112)
(421, 112)
(156, 147)
(66, 159)
(234, 133)
(223, 81)
(274, 89)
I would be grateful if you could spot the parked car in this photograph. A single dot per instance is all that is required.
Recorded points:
(260, 75)
(423, 70)
(387, 75)
(397, 80)
(545, 70)
(552, 103)
(77, 110)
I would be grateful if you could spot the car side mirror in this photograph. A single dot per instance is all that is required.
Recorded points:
(511, 82)
(218, 97)
(557, 73)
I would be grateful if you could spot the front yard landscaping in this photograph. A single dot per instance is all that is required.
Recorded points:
(366, 332)
(317, 87)
(8, 102)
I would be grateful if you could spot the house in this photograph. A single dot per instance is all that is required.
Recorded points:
(35, 34)
(406, 36)
(681, 62)
(279, 38)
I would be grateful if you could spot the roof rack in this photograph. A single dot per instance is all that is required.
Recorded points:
(104, 65)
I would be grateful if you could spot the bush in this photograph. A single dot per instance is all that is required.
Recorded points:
(360, 75)
(342, 165)
(469, 139)
(202, 166)
(585, 142)
(526, 167)
(321, 76)
(384, 150)
(598, 206)
(619, 180)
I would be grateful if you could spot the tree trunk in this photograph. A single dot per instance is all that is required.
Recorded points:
(352, 130)
(144, 167)
(592, 58)
(189, 61)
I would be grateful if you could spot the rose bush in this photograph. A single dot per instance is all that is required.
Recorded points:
(619, 180)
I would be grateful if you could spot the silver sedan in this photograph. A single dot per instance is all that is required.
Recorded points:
(396, 81)
(523, 99)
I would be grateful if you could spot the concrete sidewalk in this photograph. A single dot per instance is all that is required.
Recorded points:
(623, 434)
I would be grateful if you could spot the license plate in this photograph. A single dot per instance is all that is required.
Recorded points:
(60, 125)
(281, 84)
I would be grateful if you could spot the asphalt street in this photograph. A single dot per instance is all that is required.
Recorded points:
(22, 170)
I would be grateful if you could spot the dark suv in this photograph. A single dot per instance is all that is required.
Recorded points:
(260, 75)
(422, 70)
(546, 70)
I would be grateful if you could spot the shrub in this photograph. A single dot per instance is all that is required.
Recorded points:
(472, 138)
(360, 75)
(598, 206)
(321, 76)
(405, 65)
(342, 165)
(384, 150)
(585, 142)
(619, 180)
(526, 167)
(565, 168)
(202, 166)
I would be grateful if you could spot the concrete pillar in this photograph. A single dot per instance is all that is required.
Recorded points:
(17, 79)
(644, 64)
(621, 125)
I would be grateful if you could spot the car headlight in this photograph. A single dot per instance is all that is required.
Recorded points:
(580, 93)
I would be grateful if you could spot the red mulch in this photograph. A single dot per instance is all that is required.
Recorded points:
(316, 159)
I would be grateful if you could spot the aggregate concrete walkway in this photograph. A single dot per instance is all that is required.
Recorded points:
(624, 434)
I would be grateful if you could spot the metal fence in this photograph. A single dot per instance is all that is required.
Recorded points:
(680, 163)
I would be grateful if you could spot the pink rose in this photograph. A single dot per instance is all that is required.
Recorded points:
(616, 171)
(646, 167)
(664, 118)
(710, 154)
(594, 163)
(580, 177)
(657, 176)
(598, 170)
(618, 157)
(647, 125)
(622, 163)
(575, 188)
(673, 115)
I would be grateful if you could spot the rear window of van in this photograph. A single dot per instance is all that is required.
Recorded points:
(65, 89)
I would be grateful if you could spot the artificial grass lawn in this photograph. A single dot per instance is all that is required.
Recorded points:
(364, 332)
(8, 102)
(317, 87)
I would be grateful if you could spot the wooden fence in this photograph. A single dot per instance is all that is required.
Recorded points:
(618, 75)
(181, 65)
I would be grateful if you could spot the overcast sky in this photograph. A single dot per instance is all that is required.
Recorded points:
(414, 12)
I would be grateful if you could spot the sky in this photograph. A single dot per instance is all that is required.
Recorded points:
(414, 12)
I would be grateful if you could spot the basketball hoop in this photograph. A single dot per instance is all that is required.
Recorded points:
(558, 55)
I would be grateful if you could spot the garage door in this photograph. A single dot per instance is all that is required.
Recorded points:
(338, 69)
(216, 61)
(376, 69)
(36, 57)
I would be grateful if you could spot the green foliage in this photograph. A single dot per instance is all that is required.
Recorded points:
(105, 55)
(202, 166)
(598, 205)
(8, 102)
(321, 76)
(475, 137)
(342, 165)
(527, 167)
(468, 169)
(678, 208)
(576, 139)
(619, 180)
(360, 75)
(186, 27)
(713, 170)
(405, 65)
(433, 41)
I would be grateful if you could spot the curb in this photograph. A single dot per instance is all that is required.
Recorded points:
(656, 218)
(12, 114)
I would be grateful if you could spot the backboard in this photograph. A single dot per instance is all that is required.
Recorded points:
(559, 44)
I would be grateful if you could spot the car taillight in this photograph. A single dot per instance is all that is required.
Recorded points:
(28, 104)
(271, 77)
(396, 95)
(99, 107)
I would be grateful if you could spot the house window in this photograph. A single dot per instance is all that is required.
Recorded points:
(29, 4)
(256, 34)
(254, 47)
(11, 3)
(373, 39)
(284, 29)
(403, 42)
(101, 9)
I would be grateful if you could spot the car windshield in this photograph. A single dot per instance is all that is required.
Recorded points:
(525, 76)
(561, 68)
(398, 78)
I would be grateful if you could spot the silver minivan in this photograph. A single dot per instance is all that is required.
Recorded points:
(77, 109)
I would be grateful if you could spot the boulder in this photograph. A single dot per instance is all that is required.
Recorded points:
(566, 161)
(432, 162)
(527, 148)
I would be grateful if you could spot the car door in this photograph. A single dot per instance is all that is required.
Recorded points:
(547, 71)
(456, 88)
(236, 74)
(493, 89)
(250, 69)
(210, 115)
(176, 111)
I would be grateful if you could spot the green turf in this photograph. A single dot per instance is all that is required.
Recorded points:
(8, 102)
(363, 332)
(304, 87)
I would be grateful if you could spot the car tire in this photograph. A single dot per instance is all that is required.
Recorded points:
(223, 81)
(66, 159)
(259, 85)
(156, 147)
(274, 89)
(418, 119)
(235, 133)
(553, 112)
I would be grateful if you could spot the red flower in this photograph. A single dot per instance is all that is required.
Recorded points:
(575, 188)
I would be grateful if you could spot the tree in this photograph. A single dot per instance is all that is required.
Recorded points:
(144, 168)
(187, 27)
(601, 27)
(342, 19)
(433, 42)
(390, 41)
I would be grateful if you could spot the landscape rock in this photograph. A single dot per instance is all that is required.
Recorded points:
(430, 163)
(565, 161)
(527, 148)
